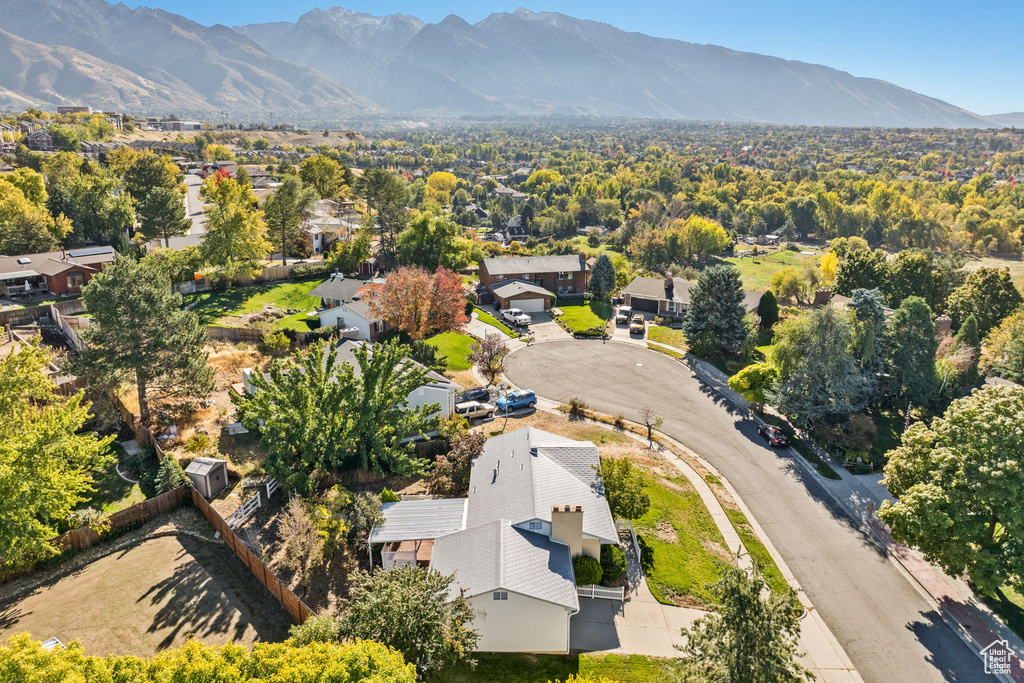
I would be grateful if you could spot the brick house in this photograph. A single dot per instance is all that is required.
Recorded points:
(562, 275)
(54, 272)
(40, 141)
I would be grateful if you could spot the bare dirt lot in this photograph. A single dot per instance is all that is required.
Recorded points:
(149, 597)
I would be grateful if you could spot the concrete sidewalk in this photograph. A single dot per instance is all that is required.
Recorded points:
(860, 496)
(645, 626)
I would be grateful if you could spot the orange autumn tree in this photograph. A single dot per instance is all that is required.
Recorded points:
(418, 302)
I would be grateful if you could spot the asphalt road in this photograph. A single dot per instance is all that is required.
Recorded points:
(194, 205)
(890, 632)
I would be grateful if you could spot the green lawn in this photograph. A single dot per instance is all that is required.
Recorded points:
(581, 243)
(112, 492)
(668, 352)
(1008, 604)
(455, 347)
(758, 552)
(212, 306)
(526, 668)
(583, 316)
(489, 319)
(668, 336)
(681, 548)
(757, 272)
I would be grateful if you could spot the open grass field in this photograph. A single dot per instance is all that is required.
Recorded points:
(526, 668)
(225, 307)
(581, 243)
(149, 597)
(583, 316)
(757, 272)
(455, 347)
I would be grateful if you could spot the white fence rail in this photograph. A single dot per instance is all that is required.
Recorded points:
(243, 513)
(397, 558)
(592, 591)
(272, 486)
(627, 525)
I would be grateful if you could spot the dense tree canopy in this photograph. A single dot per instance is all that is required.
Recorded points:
(958, 484)
(716, 312)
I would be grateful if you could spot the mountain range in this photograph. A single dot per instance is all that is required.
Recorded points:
(336, 63)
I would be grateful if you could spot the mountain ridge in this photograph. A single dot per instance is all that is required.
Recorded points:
(334, 63)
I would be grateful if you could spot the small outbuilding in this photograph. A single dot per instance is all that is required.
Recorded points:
(208, 475)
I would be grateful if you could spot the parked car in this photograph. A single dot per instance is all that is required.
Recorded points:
(637, 324)
(524, 398)
(515, 316)
(474, 394)
(623, 314)
(774, 436)
(474, 409)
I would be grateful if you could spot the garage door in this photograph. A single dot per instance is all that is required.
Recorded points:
(646, 305)
(529, 305)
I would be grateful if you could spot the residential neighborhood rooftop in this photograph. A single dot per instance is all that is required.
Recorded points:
(420, 519)
(513, 265)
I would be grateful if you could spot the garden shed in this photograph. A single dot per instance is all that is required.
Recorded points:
(208, 475)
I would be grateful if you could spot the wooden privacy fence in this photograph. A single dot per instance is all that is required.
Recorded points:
(233, 334)
(289, 601)
(85, 537)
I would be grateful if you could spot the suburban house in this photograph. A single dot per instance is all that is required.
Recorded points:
(546, 276)
(436, 389)
(535, 502)
(670, 296)
(516, 230)
(342, 304)
(55, 272)
(40, 141)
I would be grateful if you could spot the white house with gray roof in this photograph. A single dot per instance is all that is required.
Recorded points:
(535, 501)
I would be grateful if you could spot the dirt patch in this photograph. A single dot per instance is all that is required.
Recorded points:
(150, 597)
(666, 532)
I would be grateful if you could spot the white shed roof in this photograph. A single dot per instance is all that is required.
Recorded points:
(413, 520)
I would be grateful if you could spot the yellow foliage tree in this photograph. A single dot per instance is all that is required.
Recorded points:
(829, 267)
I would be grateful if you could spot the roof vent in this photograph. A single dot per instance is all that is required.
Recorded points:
(23, 260)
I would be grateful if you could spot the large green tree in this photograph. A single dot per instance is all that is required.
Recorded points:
(602, 278)
(46, 458)
(987, 293)
(862, 269)
(161, 215)
(818, 378)
(386, 194)
(716, 312)
(236, 238)
(319, 413)
(147, 172)
(912, 273)
(140, 334)
(323, 174)
(1004, 349)
(958, 483)
(909, 349)
(624, 488)
(868, 331)
(430, 242)
(284, 211)
(413, 610)
(751, 637)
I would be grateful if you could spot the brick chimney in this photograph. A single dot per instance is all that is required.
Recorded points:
(567, 527)
(670, 286)
(943, 327)
(822, 297)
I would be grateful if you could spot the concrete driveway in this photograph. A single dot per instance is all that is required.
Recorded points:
(889, 630)
(544, 328)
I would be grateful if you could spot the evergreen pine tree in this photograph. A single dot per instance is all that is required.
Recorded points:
(602, 278)
(716, 309)
(170, 475)
(768, 310)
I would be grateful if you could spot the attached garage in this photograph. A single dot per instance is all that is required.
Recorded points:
(644, 305)
(529, 297)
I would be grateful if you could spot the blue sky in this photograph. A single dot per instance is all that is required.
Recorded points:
(966, 54)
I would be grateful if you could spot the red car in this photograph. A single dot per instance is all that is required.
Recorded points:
(773, 435)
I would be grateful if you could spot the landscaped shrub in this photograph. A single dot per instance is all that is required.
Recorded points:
(389, 496)
(587, 570)
(321, 334)
(590, 333)
(199, 443)
(170, 475)
(577, 407)
(274, 343)
(613, 563)
(308, 270)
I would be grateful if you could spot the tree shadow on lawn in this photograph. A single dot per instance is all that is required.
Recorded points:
(210, 591)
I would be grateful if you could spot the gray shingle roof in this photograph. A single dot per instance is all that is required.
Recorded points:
(498, 556)
(654, 288)
(513, 287)
(514, 265)
(338, 288)
(519, 477)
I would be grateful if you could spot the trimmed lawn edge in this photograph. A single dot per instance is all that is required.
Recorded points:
(489, 319)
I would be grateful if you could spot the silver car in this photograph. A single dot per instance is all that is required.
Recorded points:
(474, 409)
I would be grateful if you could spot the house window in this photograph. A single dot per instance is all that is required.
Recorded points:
(499, 278)
(76, 278)
(378, 327)
(536, 526)
(563, 276)
(526, 276)
(670, 306)
(501, 595)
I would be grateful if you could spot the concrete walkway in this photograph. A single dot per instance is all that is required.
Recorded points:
(860, 496)
(644, 626)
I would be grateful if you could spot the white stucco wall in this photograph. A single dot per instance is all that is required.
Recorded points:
(340, 315)
(520, 624)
